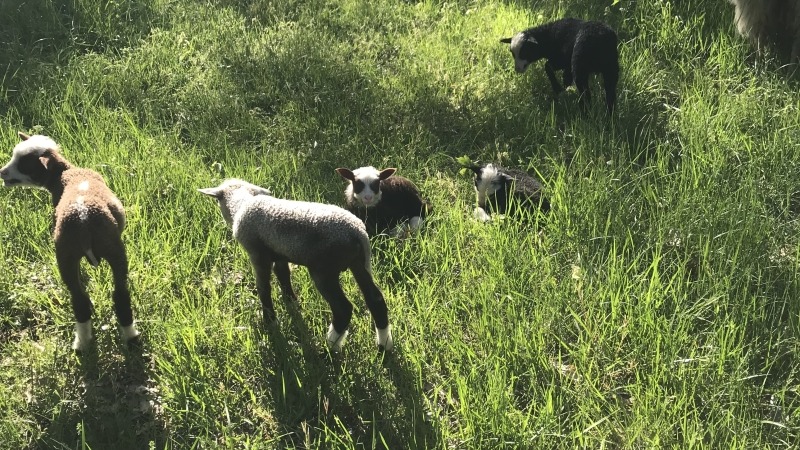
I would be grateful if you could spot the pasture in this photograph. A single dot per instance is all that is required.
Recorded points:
(657, 305)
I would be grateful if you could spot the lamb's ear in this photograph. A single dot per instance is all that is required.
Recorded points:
(211, 192)
(45, 160)
(507, 178)
(386, 173)
(505, 40)
(475, 168)
(23, 136)
(347, 174)
(532, 40)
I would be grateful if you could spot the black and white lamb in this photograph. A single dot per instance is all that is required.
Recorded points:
(89, 220)
(505, 191)
(577, 47)
(770, 22)
(324, 238)
(383, 201)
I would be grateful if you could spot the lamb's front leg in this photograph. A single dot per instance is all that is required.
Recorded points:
(551, 75)
(262, 266)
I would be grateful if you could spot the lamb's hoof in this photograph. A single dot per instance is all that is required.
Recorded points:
(481, 215)
(81, 346)
(415, 223)
(83, 336)
(130, 332)
(135, 343)
(335, 339)
(384, 339)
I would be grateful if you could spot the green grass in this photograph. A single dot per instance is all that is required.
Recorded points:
(656, 305)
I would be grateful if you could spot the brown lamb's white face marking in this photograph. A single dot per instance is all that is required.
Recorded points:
(25, 159)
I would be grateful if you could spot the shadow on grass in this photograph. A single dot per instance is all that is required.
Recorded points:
(322, 399)
(118, 405)
(37, 36)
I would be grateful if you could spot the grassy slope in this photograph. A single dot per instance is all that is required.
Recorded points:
(656, 306)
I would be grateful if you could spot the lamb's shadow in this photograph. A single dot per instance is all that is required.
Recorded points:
(316, 393)
(37, 35)
(118, 405)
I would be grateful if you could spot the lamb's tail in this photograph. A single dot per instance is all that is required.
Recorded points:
(86, 247)
(85, 244)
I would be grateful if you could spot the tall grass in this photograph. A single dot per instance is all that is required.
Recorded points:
(653, 307)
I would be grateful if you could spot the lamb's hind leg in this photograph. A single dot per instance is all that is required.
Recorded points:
(582, 83)
(328, 285)
(610, 79)
(284, 279)
(376, 304)
(581, 69)
(118, 260)
(69, 268)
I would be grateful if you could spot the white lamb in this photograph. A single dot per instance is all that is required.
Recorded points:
(324, 238)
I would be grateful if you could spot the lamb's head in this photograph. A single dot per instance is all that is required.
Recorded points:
(230, 193)
(365, 184)
(525, 50)
(490, 181)
(32, 162)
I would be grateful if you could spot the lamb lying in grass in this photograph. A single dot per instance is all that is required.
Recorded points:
(325, 238)
(506, 191)
(89, 220)
(383, 201)
(577, 47)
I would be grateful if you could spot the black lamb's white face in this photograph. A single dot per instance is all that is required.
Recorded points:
(524, 49)
(365, 184)
(488, 180)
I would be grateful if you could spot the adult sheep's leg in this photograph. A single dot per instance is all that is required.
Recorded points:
(262, 266)
(69, 268)
(284, 279)
(118, 261)
(328, 285)
(376, 305)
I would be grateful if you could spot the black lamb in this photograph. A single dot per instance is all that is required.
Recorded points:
(577, 47)
(384, 201)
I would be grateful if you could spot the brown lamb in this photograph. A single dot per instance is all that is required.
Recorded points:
(88, 222)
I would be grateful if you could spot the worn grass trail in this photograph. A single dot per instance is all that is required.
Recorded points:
(655, 306)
